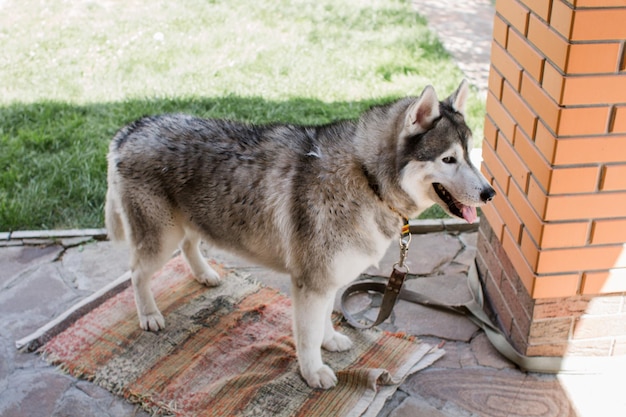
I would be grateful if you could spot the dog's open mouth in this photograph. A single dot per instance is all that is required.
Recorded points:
(456, 207)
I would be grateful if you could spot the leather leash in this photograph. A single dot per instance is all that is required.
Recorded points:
(473, 309)
(390, 291)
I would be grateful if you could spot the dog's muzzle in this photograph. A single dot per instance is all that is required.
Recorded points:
(459, 209)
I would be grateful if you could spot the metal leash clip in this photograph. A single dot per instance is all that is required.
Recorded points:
(405, 241)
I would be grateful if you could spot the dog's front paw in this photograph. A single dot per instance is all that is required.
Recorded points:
(323, 377)
(337, 343)
(152, 322)
(209, 277)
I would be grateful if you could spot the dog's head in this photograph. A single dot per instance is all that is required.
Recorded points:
(433, 155)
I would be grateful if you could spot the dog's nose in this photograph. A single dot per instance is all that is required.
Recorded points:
(487, 194)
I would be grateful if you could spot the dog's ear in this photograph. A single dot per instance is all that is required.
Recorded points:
(458, 99)
(422, 113)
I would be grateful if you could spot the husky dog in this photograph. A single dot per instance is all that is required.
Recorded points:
(320, 203)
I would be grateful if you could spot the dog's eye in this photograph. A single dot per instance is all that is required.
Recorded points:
(449, 160)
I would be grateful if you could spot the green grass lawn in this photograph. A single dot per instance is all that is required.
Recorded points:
(72, 73)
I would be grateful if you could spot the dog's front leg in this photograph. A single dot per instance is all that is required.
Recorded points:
(310, 310)
(333, 340)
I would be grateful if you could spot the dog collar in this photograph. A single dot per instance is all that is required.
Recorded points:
(373, 184)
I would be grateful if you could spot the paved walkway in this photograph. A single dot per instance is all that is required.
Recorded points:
(41, 277)
(464, 27)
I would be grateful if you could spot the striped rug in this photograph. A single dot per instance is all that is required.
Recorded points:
(227, 351)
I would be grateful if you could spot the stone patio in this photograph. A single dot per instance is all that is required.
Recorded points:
(43, 276)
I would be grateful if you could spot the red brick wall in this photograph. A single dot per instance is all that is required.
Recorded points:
(555, 151)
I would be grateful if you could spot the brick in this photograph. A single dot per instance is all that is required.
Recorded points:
(613, 178)
(596, 4)
(593, 58)
(539, 7)
(606, 282)
(496, 168)
(487, 253)
(490, 132)
(606, 232)
(575, 180)
(618, 120)
(580, 121)
(511, 160)
(540, 102)
(545, 141)
(552, 286)
(597, 327)
(528, 57)
(563, 235)
(537, 196)
(549, 42)
(562, 18)
(494, 219)
(589, 347)
(529, 248)
(500, 117)
(604, 304)
(499, 305)
(494, 83)
(500, 31)
(599, 24)
(530, 219)
(553, 83)
(486, 173)
(518, 338)
(619, 347)
(514, 13)
(508, 269)
(521, 317)
(519, 298)
(550, 331)
(532, 158)
(560, 307)
(519, 110)
(580, 259)
(597, 149)
(516, 257)
(507, 213)
(547, 349)
(585, 206)
(506, 65)
(596, 89)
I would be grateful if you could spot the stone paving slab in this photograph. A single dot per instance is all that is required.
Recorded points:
(37, 283)
(482, 391)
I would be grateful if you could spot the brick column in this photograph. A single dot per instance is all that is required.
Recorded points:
(552, 253)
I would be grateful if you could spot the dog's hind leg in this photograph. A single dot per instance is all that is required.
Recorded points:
(152, 243)
(310, 307)
(190, 247)
(150, 318)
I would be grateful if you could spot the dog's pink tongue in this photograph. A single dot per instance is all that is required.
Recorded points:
(469, 214)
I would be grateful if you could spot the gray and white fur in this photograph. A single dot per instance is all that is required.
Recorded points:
(320, 203)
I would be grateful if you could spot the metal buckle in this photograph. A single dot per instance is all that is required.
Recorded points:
(405, 241)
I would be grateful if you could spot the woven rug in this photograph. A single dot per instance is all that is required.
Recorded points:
(226, 351)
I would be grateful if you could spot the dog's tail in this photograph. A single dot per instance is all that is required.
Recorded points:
(113, 210)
